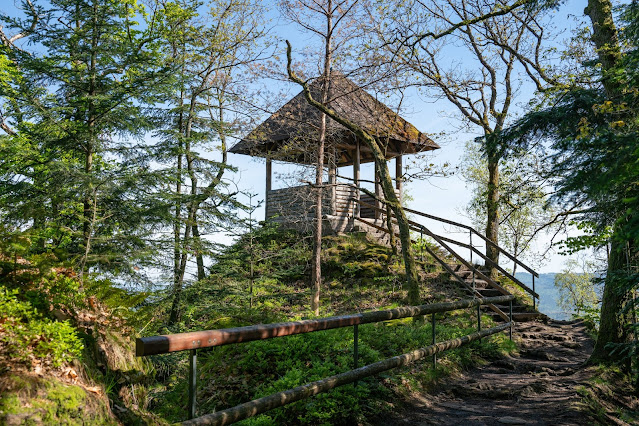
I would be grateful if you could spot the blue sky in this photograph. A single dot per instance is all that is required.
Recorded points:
(445, 196)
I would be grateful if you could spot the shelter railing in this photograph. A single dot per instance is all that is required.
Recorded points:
(193, 341)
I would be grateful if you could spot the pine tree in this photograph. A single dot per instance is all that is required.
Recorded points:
(593, 128)
(86, 75)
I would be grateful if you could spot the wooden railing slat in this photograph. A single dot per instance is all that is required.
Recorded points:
(203, 339)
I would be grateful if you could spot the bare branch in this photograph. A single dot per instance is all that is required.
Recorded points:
(10, 41)
(499, 11)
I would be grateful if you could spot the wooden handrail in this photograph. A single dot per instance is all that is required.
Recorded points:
(155, 345)
(195, 340)
(279, 399)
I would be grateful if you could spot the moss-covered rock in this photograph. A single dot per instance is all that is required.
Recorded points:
(29, 399)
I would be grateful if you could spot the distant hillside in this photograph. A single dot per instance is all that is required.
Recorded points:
(545, 286)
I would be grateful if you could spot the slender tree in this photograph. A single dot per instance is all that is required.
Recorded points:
(329, 20)
(212, 55)
(524, 209)
(500, 44)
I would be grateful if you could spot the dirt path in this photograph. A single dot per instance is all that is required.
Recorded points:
(537, 387)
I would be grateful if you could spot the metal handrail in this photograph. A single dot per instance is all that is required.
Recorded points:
(440, 240)
(474, 231)
(474, 292)
(201, 339)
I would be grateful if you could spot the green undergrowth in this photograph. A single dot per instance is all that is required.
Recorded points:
(234, 374)
(67, 348)
(609, 396)
(358, 276)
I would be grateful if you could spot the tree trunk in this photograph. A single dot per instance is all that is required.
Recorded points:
(492, 209)
(606, 41)
(412, 282)
(199, 258)
(316, 272)
(613, 322)
(391, 230)
(612, 328)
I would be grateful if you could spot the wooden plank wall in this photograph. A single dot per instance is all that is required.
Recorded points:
(296, 204)
(367, 212)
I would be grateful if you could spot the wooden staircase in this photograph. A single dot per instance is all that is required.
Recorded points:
(470, 276)
(521, 312)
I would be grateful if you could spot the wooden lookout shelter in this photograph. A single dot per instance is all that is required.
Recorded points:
(292, 133)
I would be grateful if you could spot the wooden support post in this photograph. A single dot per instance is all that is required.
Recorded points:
(332, 181)
(398, 177)
(356, 176)
(378, 192)
(269, 174)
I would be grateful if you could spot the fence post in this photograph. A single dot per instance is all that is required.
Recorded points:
(479, 318)
(470, 235)
(192, 381)
(434, 341)
(533, 283)
(510, 330)
(355, 348)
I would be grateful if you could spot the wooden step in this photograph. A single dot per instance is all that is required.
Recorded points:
(518, 316)
(479, 284)
(516, 308)
(489, 292)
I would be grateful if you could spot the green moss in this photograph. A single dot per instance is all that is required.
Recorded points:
(33, 400)
(608, 396)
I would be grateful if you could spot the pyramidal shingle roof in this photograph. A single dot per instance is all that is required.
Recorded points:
(292, 131)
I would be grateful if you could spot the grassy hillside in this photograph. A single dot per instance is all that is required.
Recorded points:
(66, 347)
(358, 276)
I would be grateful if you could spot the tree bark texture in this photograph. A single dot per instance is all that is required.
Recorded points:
(613, 322)
(492, 216)
(316, 266)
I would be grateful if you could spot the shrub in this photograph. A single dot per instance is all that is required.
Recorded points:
(25, 335)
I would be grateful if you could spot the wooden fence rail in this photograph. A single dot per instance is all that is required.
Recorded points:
(201, 339)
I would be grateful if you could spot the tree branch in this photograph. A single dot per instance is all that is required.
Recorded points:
(497, 12)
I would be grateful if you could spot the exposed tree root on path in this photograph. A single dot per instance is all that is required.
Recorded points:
(538, 386)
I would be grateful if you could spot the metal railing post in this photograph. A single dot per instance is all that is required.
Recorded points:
(510, 330)
(192, 381)
(421, 242)
(434, 341)
(470, 234)
(533, 296)
(479, 318)
(355, 349)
